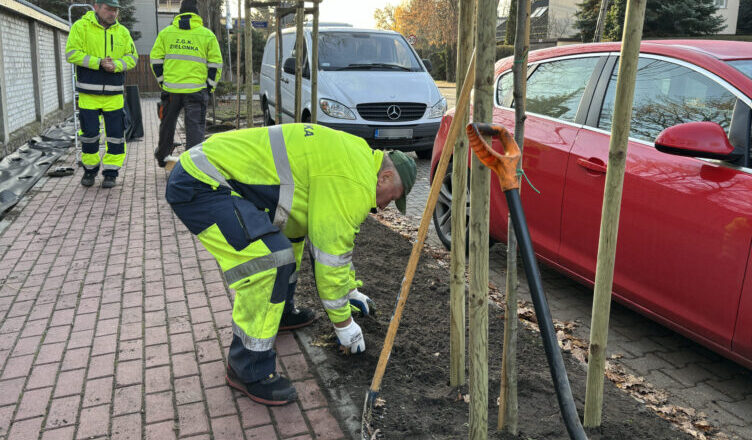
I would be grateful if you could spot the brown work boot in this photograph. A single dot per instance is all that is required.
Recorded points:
(275, 390)
(296, 318)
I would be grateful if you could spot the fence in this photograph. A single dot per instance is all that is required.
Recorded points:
(142, 76)
(35, 80)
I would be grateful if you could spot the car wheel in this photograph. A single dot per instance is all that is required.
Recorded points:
(424, 154)
(442, 214)
(268, 121)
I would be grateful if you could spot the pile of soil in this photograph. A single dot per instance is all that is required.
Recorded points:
(419, 403)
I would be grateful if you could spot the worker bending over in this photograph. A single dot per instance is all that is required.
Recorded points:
(252, 197)
(102, 50)
(187, 63)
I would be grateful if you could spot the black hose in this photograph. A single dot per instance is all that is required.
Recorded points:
(553, 354)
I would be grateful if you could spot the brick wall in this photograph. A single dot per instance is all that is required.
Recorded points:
(48, 66)
(19, 79)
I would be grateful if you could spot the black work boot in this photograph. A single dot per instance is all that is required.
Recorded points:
(275, 390)
(87, 179)
(296, 318)
(108, 182)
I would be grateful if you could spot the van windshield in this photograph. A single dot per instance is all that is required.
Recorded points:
(366, 51)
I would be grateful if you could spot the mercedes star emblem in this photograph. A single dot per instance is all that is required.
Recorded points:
(393, 112)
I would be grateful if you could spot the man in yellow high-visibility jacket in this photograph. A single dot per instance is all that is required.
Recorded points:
(186, 61)
(102, 50)
(252, 197)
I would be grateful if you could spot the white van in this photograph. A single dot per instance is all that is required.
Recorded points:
(371, 83)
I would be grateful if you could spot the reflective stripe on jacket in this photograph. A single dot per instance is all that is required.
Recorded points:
(311, 180)
(88, 43)
(186, 56)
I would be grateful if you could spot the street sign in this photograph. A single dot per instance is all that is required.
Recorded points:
(260, 24)
(412, 39)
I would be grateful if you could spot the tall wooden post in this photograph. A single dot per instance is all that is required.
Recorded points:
(299, 14)
(237, 76)
(278, 71)
(480, 180)
(508, 392)
(248, 65)
(617, 157)
(600, 25)
(315, 63)
(457, 297)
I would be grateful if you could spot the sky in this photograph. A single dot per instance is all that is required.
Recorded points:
(359, 13)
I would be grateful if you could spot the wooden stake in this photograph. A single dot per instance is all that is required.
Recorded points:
(315, 63)
(457, 297)
(278, 71)
(238, 79)
(617, 156)
(248, 66)
(480, 180)
(299, 15)
(508, 409)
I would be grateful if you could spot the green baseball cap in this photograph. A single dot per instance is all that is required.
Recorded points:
(407, 171)
(113, 3)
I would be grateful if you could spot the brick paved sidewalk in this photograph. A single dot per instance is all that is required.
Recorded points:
(115, 322)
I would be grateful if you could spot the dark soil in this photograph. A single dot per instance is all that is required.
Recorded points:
(420, 404)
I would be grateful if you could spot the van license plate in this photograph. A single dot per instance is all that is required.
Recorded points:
(393, 133)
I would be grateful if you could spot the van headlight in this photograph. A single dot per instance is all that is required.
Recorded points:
(336, 109)
(438, 109)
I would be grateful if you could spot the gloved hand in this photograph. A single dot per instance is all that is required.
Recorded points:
(351, 337)
(360, 302)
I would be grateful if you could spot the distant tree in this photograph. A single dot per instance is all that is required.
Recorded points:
(385, 18)
(586, 19)
(60, 8)
(668, 18)
(511, 23)
(744, 21)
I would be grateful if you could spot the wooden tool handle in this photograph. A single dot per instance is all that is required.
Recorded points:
(504, 165)
(454, 128)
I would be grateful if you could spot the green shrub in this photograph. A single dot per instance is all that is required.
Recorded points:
(504, 50)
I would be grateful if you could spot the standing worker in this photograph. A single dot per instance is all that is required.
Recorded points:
(186, 61)
(102, 50)
(252, 196)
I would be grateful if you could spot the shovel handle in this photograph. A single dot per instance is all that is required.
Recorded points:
(504, 165)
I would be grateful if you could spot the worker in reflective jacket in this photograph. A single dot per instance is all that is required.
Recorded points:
(186, 61)
(102, 50)
(252, 197)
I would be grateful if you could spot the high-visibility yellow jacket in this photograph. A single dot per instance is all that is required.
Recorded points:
(312, 181)
(186, 56)
(88, 43)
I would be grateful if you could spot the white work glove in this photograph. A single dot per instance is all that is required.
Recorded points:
(360, 302)
(351, 337)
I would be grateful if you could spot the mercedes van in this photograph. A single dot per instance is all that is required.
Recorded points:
(371, 83)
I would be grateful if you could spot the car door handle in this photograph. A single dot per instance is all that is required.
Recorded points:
(591, 166)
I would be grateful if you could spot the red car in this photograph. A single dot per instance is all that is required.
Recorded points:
(685, 234)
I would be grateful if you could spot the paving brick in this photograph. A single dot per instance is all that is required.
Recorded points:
(294, 422)
(98, 392)
(70, 382)
(33, 403)
(226, 428)
(324, 424)
(181, 343)
(184, 365)
(126, 427)
(80, 339)
(213, 374)
(252, 413)
(59, 434)
(220, 401)
(26, 346)
(50, 353)
(265, 432)
(100, 366)
(127, 400)
(159, 407)
(76, 358)
(204, 331)
(18, 366)
(130, 350)
(26, 429)
(201, 314)
(43, 376)
(6, 413)
(132, 315)
(156, 335)
(131, 331)
(192, 419)
(310, 394)
(94, 421)
(286, 344)
(158, 379)
(33, 328)
(152, 319)
(107, 326)
(296, 366)
(157, 355)
(690, 376)
(104, 345)
(209, 351)
(188, 390)
(161, 431)
(63, 412)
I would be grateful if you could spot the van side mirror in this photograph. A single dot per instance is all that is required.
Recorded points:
(289, 66)
(696, 139)
(428, 64)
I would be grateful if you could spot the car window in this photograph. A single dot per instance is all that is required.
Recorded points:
(503, 86)
(366, 51)
(667, 94)
(555, 89)
(744, 66)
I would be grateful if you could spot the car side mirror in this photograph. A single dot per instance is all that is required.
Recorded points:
(696, 139)
(289, 66)
(428, 64)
